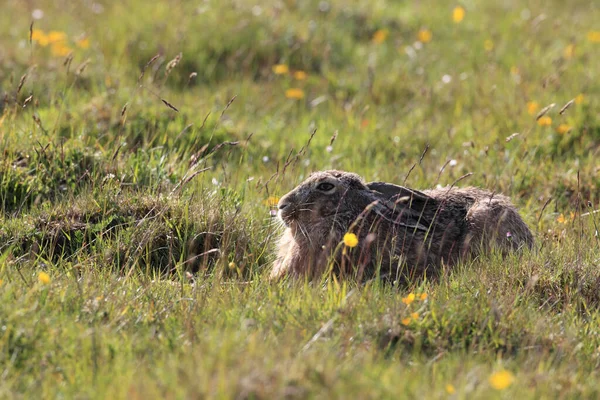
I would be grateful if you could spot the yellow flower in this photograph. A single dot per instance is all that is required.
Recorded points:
(300, 75)
(423, 296)
(409, 299)
(60, 49)
(569, 51)
(44, 278)
(405, 321)
(414, 315)
(83, 43)
(488, 45)
(579, 99)
(36, 34)
(544, 121)
(563, 220)
(294, 93)
(56, 36)
(281, 69)
(501, 380)
(532, 107)
(594, 36)
(424, 36)
(232, 265)
(350, 240)
(562, 129)
(39, 36)
(271, 201)
(380, 35)
(450, 388)
(1, 281)
(458, 14)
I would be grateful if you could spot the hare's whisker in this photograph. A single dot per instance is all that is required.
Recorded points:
(305, 233)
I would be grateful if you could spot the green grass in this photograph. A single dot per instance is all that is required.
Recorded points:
(153, 227)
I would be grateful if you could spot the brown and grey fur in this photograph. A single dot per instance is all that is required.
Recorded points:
(402, 232)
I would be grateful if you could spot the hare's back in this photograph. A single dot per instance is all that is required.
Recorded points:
(491, 218)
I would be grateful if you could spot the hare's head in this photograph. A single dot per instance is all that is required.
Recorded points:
(330, 201)
(323, 197)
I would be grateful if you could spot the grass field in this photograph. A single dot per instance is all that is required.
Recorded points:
(141, 142)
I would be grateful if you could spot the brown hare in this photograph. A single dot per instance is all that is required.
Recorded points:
(401, 232)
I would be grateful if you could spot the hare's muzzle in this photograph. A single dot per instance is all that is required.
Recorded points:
(286, 211)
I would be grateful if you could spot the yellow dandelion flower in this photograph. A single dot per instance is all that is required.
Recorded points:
(532, 107)
(232, 265)
(450, 388)
(501, 380)
(424, 36)
(562, 129)
(414, 315)
(380, 35)
(300, 75)
(271, 201)
(44, 278)
(544, 121)
(488, 45)
(36, 34)
(579, 99)
(83, 43)
(350, 240)
(60, 49)
(409, 299)
(569, 51)
(458, 14)
(56, 36)
(405, 321)
(40, 37)
(294, 93)
(423, 296)
(594, 36)
(562, 219)
(281, 69)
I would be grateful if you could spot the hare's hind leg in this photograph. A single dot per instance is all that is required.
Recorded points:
(495, 223)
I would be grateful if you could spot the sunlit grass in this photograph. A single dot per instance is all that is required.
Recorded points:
(144, 148)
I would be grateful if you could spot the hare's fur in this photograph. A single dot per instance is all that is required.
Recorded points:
(402, 232)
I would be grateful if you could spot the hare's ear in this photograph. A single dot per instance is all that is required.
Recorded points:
(390, 190)
(396, 193)
(400, 216)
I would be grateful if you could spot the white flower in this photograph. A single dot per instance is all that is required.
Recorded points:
(37, 14)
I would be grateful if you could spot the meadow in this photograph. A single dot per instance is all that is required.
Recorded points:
(143, 145)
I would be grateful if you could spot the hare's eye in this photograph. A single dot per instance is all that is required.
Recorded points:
(325, 186)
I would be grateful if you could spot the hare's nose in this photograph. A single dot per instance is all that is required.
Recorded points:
(281, 205)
